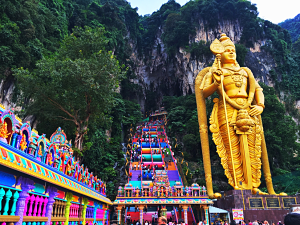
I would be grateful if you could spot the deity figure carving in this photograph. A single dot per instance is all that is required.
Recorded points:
(235, 121)
(23, 143)
(4, 132)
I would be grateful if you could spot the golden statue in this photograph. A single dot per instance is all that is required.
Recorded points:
(40, 152)
(235, 121)
(23, 143)
(3, 131)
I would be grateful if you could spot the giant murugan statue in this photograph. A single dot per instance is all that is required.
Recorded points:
(235, 121)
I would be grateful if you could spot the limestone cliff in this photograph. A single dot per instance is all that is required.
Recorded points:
(176, 75)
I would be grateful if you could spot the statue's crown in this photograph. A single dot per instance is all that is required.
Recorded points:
(225, 41)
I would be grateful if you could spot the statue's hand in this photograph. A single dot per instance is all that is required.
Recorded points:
(217, 75)
(256, 110)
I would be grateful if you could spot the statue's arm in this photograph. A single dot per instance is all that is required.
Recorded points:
(259, 97)
(260, 101)
(210, 85)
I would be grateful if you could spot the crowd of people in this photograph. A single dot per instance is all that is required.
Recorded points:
(148, 171)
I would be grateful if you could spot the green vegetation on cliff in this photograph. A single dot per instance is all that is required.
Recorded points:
(293, 26)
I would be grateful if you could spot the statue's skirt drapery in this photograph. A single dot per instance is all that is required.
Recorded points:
(242, 143)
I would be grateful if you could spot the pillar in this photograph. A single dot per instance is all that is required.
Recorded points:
(119, 208)
(95, 211)
(104, 215)
(179, 212)
(69, 197)
(85, 203)
(206, 213)
(52, 192)
(141, 208)
(26, 185)
(185, 207)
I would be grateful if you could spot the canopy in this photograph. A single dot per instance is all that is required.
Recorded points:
(216, 210)
(146, 120)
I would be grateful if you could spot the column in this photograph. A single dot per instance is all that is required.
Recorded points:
(104, 215)
(69, 197)
(206, 213)
(95, 211)
(119, 208)
(26, 185)
(179, 212)
(141, 208)
(52, 192)
(107, 216)
(185, 207)
(85, 203)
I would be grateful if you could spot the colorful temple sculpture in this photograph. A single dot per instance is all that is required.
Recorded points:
(155, 187)
(41, 183)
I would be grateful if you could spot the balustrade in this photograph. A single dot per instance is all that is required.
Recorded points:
(99, 214)
(58, 209)
(8, 200)
(35, 205)
(89, 212)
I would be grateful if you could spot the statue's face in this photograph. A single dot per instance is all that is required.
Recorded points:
(229, 55)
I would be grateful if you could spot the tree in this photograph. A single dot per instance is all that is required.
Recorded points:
(77, 84)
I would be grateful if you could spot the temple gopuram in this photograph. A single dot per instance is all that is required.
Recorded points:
(41, 183)
(155, 187)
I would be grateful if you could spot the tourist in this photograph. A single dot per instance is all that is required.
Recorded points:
(279, 223)
(232, 222)
(146, 223)
(162, 220)
(266, 222)
(255, 222)
(292, 219)
(249, 222)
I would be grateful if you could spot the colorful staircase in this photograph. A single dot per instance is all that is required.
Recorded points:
(157, 156)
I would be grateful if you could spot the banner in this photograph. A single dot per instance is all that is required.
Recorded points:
(238, 215)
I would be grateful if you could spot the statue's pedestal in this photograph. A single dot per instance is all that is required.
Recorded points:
(257, 207)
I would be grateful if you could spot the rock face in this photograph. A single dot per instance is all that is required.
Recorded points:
(176, 76)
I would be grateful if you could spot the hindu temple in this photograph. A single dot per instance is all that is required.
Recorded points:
(41, 182)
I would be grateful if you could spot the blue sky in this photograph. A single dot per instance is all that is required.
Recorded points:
(274, 10)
